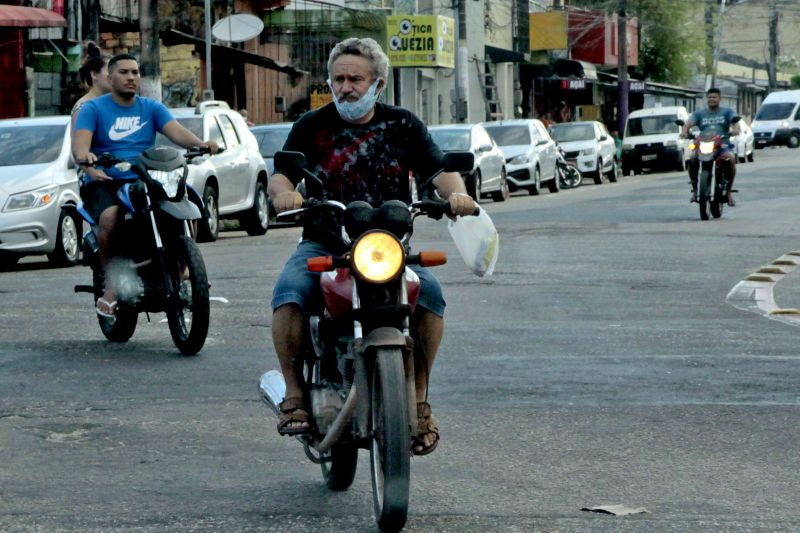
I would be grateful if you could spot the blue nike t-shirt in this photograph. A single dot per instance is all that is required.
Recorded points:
(123, 131)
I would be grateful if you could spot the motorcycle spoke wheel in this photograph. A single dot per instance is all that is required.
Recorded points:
(188, 312)
(390, 446)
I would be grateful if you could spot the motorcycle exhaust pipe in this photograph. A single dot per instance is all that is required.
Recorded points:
(273, 389)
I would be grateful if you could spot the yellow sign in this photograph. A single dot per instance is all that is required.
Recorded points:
(319, 95)
(548, 30)
(421, 41)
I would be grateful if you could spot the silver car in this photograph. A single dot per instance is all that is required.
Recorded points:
(529, 151)
(271, 138)
(743, 143)
(37, 178)
(236, 185)
(488, 176)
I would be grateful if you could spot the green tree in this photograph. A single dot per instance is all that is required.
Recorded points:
(670, 35)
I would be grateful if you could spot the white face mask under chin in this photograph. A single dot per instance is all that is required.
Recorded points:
(354, 111)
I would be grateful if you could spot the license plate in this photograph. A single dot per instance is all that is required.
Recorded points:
(648, 157)
(761, 141)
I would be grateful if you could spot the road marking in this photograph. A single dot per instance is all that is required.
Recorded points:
(755, 292)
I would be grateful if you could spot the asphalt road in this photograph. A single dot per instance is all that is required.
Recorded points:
(601, 364)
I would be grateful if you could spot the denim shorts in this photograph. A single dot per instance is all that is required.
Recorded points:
(296, 285)
(98, 196)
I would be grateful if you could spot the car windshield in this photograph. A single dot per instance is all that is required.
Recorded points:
(193, 124)
(572, 132)
(775, 111)
(509, 135)
(271, 140)
(30, 145)
(654, 125)
(451, 140)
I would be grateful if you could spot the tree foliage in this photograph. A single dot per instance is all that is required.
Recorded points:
(670, 35)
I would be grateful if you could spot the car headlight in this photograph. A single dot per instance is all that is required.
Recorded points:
(31, 199)
(168, 179)
(587, 151)
(377, 256)
(627, 147)
(784, 123)
(519, 160)
(672, 143)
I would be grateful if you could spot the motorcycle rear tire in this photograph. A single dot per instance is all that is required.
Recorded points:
(390, 448)
(340, 471)
(189, 338)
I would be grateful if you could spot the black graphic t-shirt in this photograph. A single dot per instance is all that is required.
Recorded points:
(369, 162)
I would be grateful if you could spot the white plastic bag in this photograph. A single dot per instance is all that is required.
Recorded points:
(477, 241)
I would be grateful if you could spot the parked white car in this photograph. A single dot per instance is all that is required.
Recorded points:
(589, 146)
(236, 184)
(744, 143)
(489, 173)
(37, 178)
(530, 153)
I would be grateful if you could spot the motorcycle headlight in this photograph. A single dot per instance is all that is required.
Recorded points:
(707, 147)
(519, 160)
(587, 151)
(31, 199)
(168, 179)
(377, 256)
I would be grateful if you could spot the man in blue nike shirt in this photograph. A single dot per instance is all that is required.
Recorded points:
(124, 125)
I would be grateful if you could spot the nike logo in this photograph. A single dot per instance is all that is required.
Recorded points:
(124, 127)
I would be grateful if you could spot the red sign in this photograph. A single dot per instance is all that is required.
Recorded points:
(573, 85)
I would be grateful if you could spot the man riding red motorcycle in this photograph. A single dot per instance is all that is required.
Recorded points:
(715, 120)
(361, 150)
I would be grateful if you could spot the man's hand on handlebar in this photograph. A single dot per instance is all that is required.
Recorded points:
(286, 201)
(461, 204)
(211, 146)
(94, 173)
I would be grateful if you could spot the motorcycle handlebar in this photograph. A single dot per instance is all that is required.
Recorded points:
(436, 209)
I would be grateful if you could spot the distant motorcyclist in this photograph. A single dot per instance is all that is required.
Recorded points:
(715, 120)
(362, 150)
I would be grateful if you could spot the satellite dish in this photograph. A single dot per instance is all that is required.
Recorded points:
(237, 28)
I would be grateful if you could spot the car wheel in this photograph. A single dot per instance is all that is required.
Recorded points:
(750, 156)
(537, 183)
(598, 174)
(793, 141)
(8, 261)
(554, 185)
(208, 230)
(503, 194)
(68, 241)
(474, 185)
(256, 221)
(680, 165)
(611, 175)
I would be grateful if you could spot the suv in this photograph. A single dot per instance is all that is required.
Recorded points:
(233, 182)
(588, 145)
(529, 151)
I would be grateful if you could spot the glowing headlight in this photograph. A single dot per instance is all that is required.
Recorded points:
(784, 123)
(519, 160)
(29, 200)
(707, 147)
(587, 151)
(377, 256)
(168, 180)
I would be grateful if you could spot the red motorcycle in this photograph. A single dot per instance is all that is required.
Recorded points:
(359, 367)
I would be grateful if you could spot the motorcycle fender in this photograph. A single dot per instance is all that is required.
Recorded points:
(194, 196)
(383, 337)
(183, 210)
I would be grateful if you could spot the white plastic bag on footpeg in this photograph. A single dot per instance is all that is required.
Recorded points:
(477, 241)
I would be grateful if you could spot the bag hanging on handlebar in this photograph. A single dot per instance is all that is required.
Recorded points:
(477, 241)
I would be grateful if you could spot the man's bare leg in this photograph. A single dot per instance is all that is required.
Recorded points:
(106, 226)
(288, 328)
(430, 330)
(731, 163)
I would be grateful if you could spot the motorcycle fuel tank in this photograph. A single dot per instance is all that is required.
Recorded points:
(337, 291)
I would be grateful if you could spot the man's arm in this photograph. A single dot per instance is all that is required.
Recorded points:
(281, 192)
(451, 187)
(81, 143)
(183, 137)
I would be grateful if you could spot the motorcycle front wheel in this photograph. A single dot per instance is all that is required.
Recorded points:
(120, 328)
(718, 202)
(570, 177)
(188, 312)
(390, 447)
(704, 194)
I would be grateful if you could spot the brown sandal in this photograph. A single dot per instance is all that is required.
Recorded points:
(293, 410)
(425, 426)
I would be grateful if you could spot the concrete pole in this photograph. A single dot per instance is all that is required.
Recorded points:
(150, 59)
(208, 93)
(772, 69)
(622, 65)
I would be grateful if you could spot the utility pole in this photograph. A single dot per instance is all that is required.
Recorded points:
(150, 58)
(772, 68)
(717, 44)
(622, 65)
(709, 55)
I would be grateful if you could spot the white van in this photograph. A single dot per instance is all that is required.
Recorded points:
(652, 139)
(778, 120)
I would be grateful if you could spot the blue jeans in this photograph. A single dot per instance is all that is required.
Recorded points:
(296, 285)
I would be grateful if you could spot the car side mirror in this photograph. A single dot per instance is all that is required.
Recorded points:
(541, 142)
(736, 119)
(604, 137)
(485, 148)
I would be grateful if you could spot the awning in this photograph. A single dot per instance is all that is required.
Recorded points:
(226, 53)
(29, 17)
(501, 55)
(565, 68)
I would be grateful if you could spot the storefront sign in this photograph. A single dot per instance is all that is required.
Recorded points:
(636, 86)
(421, 41)
(573, 85)
(319, 95)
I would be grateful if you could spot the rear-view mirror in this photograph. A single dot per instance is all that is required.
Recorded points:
(292, 162)
(458, 161)
(680, 122)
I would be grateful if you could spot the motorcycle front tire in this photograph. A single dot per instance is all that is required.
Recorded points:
(390, 448)
(718, 201)
(704, 193)
(188, 333)
(340, 471)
